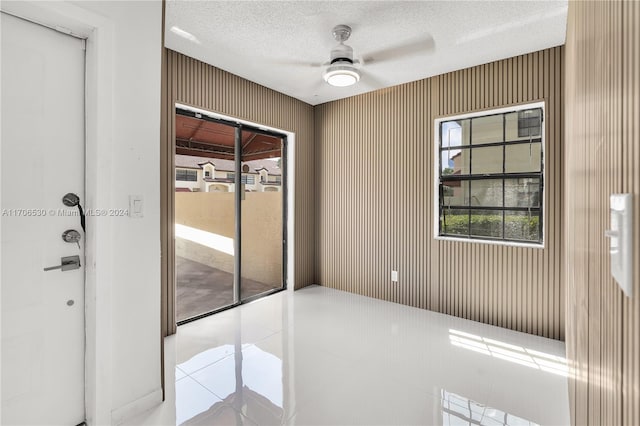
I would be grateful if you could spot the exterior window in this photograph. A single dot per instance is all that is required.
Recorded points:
(186, 175)
(207, 173)
(246, 179)
(490, 176)
(529, 122)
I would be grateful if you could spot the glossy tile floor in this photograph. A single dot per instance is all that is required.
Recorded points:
(324, 357)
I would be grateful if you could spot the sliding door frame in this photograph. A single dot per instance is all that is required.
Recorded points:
(238, 196)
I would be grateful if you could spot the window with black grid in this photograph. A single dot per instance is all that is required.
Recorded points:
(491, 176)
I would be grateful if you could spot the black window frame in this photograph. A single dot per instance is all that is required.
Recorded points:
(504, 176)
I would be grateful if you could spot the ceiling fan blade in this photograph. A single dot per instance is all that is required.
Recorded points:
(371, 81)
(294, 63)
(422, 45)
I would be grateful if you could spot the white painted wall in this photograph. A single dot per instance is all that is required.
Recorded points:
(135, 243)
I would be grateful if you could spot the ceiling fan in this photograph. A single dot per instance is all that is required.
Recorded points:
(343, 70)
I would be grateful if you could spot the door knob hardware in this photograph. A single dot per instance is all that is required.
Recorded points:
(67, 263)
(71, 200)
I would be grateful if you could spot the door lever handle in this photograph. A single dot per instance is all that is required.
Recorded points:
(67, 263)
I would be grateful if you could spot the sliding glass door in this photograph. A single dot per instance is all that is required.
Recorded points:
(229, 214)
(262, 208)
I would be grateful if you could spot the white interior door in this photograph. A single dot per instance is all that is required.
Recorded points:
(42, 150)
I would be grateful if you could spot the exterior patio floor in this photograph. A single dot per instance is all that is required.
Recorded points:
(201, 288)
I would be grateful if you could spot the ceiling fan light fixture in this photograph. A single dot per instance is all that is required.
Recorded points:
(341, 75)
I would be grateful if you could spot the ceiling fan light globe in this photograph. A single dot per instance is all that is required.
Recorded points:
(342, 79)
(341, 75)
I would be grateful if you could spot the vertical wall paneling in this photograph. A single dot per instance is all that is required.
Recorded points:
(602, 157)
(191, 82)
(374, 199)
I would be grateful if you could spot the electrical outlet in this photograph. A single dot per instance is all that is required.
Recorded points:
(394, 276)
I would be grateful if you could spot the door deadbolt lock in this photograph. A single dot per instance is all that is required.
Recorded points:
(67, 263)
(71, 236)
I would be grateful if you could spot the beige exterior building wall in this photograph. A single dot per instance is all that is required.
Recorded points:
(261, 231)
(204, 186)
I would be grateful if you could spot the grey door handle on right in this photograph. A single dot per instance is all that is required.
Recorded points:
(67, 263)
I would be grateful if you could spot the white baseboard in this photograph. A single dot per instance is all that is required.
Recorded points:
(140, 405)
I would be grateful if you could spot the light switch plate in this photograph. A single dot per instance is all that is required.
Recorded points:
(136, 206)
(394, 276)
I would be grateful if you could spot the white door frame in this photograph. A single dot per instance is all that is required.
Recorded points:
(98, 32)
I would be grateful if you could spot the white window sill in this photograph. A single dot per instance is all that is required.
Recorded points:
(491, 242)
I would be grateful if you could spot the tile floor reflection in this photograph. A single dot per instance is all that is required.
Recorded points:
(324, 357)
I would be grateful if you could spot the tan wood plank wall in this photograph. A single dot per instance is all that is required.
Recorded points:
(374, 199)
(602, 157)
(191, 82)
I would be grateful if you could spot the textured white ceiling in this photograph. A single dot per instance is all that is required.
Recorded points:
(282, 44)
